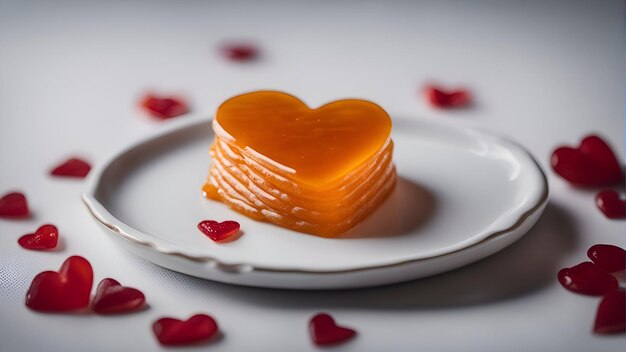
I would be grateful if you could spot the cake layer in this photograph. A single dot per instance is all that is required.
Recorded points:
(268, 182)
(247, 191)
(237, 201)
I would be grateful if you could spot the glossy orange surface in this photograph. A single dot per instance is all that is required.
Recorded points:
(314, 146)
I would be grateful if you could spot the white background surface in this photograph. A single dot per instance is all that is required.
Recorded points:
(544, 74)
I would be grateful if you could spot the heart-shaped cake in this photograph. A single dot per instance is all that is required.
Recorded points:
(318, 171)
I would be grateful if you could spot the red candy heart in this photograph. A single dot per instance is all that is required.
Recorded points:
(46, 237)
(113, 298)
(73, 167)
(174, 332)
(163, 108)
(325, 332)
(588, 279)
(593, 163)
(611, 204)
(608, 257)
(447, 99)
(218, 231)
(240, 52)
(14, 205)
(69, 289)
(611, 315)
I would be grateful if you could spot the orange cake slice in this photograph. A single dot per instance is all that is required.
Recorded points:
(316, 211)
(318, 171)
(271, 186)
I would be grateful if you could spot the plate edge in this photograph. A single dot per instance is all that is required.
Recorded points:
(244, 268)
(88, 199)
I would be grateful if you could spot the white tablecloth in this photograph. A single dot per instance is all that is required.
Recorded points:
(71, 73)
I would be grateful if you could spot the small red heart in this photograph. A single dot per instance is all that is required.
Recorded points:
(174, 332)
(608, 257)
(46, 237)
(588, 279)
(325, 332)
(14, 205)
(69, 289)
(73, 167)
(592, 164)
(163, 108)
(112, 298)
(218, 231)
(440, 98)
(611, 204)
(240, 52)
(611, 315)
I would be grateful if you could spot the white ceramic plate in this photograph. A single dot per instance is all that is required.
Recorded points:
(461, 196)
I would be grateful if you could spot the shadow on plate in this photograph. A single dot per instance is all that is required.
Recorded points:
(526, 266)
(408, 207)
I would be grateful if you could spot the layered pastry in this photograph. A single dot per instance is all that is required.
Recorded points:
(319, 171)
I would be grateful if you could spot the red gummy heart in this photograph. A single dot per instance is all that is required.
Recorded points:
(240, 52)
(174, 332)
(447, 99)
(14, 205)
(46, 237)
(218, 231)
(611, 204)
(69, 289)
(608, 257)
(611, 315)
(163, 108)
(73, 167)
(593, 163)
(325, 332)
(111, 298)
(588, 279)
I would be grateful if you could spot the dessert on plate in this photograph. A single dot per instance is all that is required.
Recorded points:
(319, 171)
